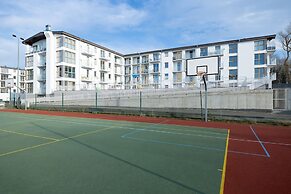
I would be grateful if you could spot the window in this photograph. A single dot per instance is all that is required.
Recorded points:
(217, 50)
(30, 88)
(190, 54)
(260, 45)
(156, 79)
(232, 61)
(109, 76)
(233, 48)
(66, 56)
(145, 59)
(166, 76)
(127, 61)
(178, 66)
(59, 56)
(156, 56)
(102, 65)
(69, 43)
(204, 51)
(233, 74)
(177, 77)
(59, 42)
(260, 59)
(166, 54)
(156, 67)
(95, 73)
(69, 72)
(29, 74)
(166, 65)
(29, 61)
(34, 48)
(69, 57)
(102, 76)
(109, 65)
(102, 54)
(260, 73)
(177, 55)
(166, 86)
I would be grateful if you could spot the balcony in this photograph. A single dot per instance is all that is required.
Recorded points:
(177, 80)
(271, 61)
(104, 70)
(103, 57)
(144, 71)
(271, 48)
(87, 66)
(88, 52)
(42, 65)
(177, 58)
(119, 73)
(86, 79)
(155, 59)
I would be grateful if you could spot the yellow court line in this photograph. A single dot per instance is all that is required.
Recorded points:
(224, 165)
(55, 141)
(29, 135)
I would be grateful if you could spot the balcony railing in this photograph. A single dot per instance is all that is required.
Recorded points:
(86, 78)
(271, 48)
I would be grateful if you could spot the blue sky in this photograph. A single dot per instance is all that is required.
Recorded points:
(133, 26)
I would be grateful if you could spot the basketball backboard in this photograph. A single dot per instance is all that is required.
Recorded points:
(209, 65)
(9, 83)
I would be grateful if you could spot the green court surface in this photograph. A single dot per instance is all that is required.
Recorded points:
(50, 154)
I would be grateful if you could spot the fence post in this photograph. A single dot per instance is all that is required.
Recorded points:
(62, 100)
(35, 101)
(140, 102)
(96, 100)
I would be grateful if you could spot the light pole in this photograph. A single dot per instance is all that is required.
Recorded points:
(17, 78)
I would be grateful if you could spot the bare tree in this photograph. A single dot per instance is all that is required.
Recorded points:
(285, 39)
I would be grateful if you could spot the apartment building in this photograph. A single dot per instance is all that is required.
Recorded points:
(244, 61)
(10, 73)
(57, 61)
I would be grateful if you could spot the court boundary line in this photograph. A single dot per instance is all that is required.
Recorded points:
(224, 165)
(121, 121)
(262, 145)
(29, 135)
(162, 124)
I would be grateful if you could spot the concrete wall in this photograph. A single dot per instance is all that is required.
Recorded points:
(167, 98)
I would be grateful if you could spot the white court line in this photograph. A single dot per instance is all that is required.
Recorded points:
(267, 153)
(133, 128)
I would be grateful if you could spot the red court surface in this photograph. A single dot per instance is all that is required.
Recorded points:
(258, 158)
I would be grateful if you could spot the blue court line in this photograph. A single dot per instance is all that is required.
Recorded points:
(127, 136)
(267, 153)
(170, 143)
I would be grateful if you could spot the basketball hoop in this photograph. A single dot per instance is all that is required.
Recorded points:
(201, 73)
(9, 83)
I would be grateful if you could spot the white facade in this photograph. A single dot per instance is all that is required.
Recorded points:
(10, 73)
(57, 60)
(244, 62)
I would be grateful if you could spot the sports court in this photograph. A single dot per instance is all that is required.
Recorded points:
(56, 154)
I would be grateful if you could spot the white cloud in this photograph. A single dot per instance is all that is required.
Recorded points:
(29, 15)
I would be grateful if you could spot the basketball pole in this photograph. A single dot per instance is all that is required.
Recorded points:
(204, 80)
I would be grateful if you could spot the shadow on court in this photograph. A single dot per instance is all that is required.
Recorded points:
(119, 159)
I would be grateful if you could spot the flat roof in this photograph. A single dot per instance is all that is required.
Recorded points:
(6, 67)
(41, 36)
(268, 37)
